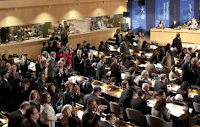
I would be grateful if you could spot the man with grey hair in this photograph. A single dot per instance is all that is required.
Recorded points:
(52, 67)
(160, 84)
(16, 117)
(89, 65)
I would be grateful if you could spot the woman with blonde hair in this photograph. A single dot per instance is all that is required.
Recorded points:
(144, 78)
(34, 98)
(69, 117)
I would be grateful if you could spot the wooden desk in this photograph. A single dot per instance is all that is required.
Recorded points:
(175, 110)
(164, 36)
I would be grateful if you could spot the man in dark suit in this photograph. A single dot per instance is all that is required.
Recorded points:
(40, 83)
(155, 56)
(130, 36)
(124, 47)
(160, 84)
(5, 91)
(54, 38)
(177, 43)
(101, 71)
(79, 62)
(118, 37)
(89, 65)
(52, 67)
(94, 95)
(110, 120)
(91, 115)
(16, 117)
(32, 117)
(61, 74)
(139, 103)
(64, 37)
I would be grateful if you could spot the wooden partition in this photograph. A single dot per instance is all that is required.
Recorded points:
(33, 47)
(48, 11)
(164, 36)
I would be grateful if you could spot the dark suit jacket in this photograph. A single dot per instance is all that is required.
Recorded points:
(15, 119)
(91, 96)
(54, 38)
(29, 123)
(89, 119)
(101, 71)
(39, 86)
(117, 39)
(105, 124)
(155, 58)
(130, 38)
(115, 72)
(77, 66)
(140, 105)
(89, 70)
(64, 39)
(187, 73)
(178, 44)
(6, 94)
(160, 86)
(124, 48)
(60, 77)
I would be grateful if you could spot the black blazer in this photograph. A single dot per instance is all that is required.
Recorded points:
(140, 105)
(54, 38)
(90, 119)
(6, 94)
(64, 39)
(178, 44)
(15, 119)
(39, 86)
(29, 123)
(105, 124)
(117, 39)
(89, 69)
(77, 66)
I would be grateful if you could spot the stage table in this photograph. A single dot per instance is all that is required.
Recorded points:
(164, 36)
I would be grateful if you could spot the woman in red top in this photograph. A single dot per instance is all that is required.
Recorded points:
(68, 56)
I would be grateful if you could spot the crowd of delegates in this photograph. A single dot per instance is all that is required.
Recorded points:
(49, 91)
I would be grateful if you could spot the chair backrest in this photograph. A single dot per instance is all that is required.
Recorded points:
(115, 108)
(157, 122)
(105, 102)
(196, 107)
(137, 117)
(192, 121)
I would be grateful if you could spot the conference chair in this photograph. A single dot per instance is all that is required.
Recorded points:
(157, 122)
(196, 107)
(105, 102)
(136, 117)
(115, 108)
(192, 121)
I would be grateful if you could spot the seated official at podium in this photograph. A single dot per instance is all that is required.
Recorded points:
(174, 25)
(194, 24)
(161, 25)
(189, 22)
